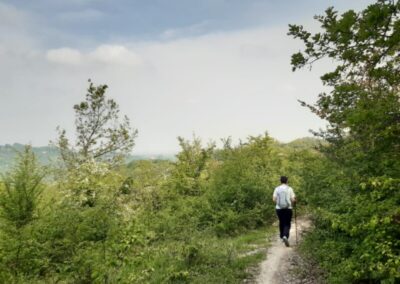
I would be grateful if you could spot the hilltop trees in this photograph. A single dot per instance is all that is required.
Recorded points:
(100, 134)
(363, 165)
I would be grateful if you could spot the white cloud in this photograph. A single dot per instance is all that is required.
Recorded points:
(64, 55)
(106, 54)
(115, 54)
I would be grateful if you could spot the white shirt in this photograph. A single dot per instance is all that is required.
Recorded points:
(290, 191)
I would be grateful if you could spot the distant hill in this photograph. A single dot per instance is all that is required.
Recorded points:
(9, 152)
(305, 143)
(49, 154)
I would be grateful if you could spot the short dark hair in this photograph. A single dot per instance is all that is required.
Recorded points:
(284, 179)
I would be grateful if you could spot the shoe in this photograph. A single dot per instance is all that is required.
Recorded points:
(286, 241)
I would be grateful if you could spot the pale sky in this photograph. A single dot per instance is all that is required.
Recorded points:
(216, 68)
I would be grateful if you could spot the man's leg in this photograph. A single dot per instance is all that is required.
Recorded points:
(287, 218)
(281, 222)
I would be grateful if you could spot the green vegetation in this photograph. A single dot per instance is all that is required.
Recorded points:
(92, 219)
(191, 220)
(354, 189)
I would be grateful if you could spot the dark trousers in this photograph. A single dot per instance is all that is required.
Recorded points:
(285, 217)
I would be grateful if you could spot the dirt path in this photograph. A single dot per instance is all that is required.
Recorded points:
(281, 259)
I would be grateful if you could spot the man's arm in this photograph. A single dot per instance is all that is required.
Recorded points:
(274, 196)
(292, 196)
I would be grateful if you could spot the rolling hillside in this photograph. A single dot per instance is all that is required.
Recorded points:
(49, 154)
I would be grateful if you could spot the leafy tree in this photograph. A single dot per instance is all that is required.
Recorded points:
(22, 187)
(241, 187)
(85, 224)
(191, 167)
(100, 134)
(365, 84)
(18, 209)
(357, 216)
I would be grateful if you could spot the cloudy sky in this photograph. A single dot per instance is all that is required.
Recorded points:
(216, 68)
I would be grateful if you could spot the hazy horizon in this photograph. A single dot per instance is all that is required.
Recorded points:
(135, 153)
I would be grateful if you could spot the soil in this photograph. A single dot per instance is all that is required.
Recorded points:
(284, 265)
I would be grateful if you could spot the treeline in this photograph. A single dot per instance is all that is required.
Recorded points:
(93, 219)
(354, 190)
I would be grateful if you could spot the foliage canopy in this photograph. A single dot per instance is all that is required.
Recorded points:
(355, 191)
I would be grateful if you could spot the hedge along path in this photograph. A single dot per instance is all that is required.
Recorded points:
(275, 268)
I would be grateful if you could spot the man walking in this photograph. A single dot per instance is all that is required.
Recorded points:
(284, 198)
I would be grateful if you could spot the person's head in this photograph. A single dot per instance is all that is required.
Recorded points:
(284, 179)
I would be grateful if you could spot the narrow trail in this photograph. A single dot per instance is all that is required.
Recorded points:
(280, 259)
